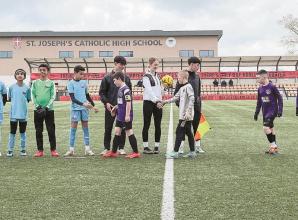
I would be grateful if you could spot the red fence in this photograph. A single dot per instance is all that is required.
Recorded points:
(247, 75)
(203, 75)
(96, 97)
(205, 97)
(95, 76)
(230, 97)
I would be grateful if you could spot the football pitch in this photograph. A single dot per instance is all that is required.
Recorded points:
(234, 179)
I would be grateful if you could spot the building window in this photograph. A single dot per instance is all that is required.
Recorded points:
(186, 53)
(105, 53)
(65, 54)
(206, 53)
(126, 53)
(5, 54)
(86, 54)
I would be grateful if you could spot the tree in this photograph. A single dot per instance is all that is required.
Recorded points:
(291, 41)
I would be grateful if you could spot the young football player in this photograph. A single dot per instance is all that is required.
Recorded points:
(185, 96)
(19, 94)
(124, 119)
(195, 81)
(43, 96)
(270, 100)
(80, 106)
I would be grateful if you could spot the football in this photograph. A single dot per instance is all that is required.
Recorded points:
(167, 81)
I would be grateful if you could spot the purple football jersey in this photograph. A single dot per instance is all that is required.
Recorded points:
(124, 97)
(270, 100)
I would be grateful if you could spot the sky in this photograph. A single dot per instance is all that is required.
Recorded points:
(250, 28)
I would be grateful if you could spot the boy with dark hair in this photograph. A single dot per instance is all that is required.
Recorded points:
(270, 100)
(120, 59)
(124, 118)
(3, 100)
(81, 103)
(19, 95)
(108, 95)
(195, 81)
(43, 95)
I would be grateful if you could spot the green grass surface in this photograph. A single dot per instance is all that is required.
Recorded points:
(233, 180)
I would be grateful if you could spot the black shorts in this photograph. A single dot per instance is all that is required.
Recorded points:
(124, 125)
(268, 122)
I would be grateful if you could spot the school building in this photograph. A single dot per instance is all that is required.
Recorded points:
(16, 46)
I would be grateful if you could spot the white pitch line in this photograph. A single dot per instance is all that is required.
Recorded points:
(167, 209)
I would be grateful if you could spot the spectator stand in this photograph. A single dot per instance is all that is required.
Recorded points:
(284, 73)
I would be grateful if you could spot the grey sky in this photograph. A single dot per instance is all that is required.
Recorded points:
(249, 27)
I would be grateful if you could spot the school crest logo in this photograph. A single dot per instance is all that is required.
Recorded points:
(171, 42)
(17, 42)
(268, 91)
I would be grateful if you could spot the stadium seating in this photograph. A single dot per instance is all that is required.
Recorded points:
(237, 89)
(209, 92)
(289, 88)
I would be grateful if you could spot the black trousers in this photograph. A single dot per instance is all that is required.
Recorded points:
(195, 122)
(109, 125)
(150, 108)
(184, 127)
(49, 119)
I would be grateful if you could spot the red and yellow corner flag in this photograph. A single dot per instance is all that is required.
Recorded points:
(203, 128)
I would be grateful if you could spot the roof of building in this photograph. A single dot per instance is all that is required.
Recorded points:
(178, 62)
(151, 33)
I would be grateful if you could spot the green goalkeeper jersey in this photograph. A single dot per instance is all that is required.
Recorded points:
(43, 93)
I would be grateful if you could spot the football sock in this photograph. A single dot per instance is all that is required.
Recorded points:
(270, 137)
(11, 141)
(133, 143)
(274, 137)
(86, 136)
(182, 144)
(145, 144)
(116, 142)
(72, 137)
(23, 140)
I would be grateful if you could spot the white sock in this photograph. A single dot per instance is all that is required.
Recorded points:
(273, 144)
(71, 149)
(182, 144)
(157, 144)
(87, 148)
(198, 143)
(145, 144)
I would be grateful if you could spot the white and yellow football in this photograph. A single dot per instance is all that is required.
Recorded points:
(167, 81)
